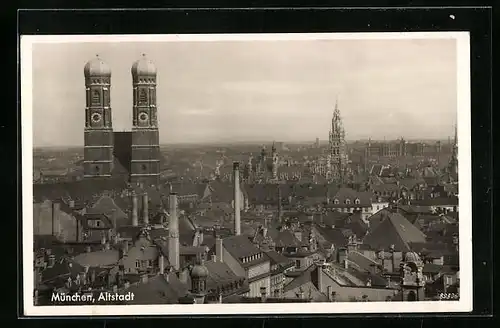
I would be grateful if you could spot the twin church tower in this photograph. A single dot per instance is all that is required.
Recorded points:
(131, 155)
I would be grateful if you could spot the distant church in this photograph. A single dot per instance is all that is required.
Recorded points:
(132, 155)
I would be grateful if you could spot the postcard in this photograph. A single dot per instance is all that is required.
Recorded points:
(246, 174)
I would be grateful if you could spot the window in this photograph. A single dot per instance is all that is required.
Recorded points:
(297, 264)
(143, 96)
(348, 201)
(448, 280)
(97, 223)
(96, 97)
(336, 201)
(150, 263)
(357, 201)
(137, 264)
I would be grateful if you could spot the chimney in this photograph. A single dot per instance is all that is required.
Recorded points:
(237, 206)
(320, 278)
(135, 219)
(56, 229)
(218, 249)
(145, 209)
(144, 279)
(329, 293)
(263, 294)
(214, 258)
(125, 247)
(52, 261)
(342, 255)
(88, 249)
(161, 263)
(71, 203)
(173, 230)
(107, 246)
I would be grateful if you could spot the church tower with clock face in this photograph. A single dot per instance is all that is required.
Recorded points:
(98, 144)
(145, 157)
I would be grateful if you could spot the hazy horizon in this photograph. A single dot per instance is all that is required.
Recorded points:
(250, 91)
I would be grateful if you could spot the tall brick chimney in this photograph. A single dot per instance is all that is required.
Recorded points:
(218, 249)
(145, 209)
(56, 224)
(135, 218)
(173, 232)
(237, 206)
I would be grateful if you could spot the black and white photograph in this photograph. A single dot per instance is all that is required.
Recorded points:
(246, 173)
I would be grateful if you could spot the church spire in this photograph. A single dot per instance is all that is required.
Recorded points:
(337, 150)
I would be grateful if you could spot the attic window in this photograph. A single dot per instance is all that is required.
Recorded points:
(336, 201)
(348, 201)
(357, 201)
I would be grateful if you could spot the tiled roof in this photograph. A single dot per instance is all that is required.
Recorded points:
(363, 262)
(441, 201)
(330, 218)
(240, 246)
(277, 258)
(98, 259)
(394, 229)
(78, 190)
(351, 195)
(219, 274)
(386, 187)
(63, 267)
(156, 291)
(333, 236)
(283, 238)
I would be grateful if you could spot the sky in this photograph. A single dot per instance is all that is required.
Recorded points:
(225, 91)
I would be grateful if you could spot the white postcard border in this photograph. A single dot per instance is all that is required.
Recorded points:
(465, 187)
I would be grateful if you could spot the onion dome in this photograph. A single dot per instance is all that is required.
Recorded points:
(97, 67)
(199, 271)
(143, 67)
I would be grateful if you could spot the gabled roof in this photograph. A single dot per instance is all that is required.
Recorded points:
(344, 194)
(240, 246)
(394, 229)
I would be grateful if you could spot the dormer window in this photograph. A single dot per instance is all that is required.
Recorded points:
(336, 201)
(348, 201)
(357, 201)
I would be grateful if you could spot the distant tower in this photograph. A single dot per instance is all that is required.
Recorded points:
(337, 148)
(453, 165)
(402, 147)
(412, 278)
(145, 165)
(248, 170)
(98, 144)
(275, 162)
(199, 274)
